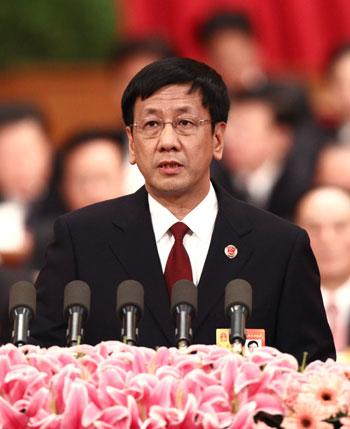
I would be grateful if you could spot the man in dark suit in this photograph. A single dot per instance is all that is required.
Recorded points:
(271, 147)
(175, 111)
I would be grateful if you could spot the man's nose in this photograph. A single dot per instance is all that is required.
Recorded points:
(168, 138)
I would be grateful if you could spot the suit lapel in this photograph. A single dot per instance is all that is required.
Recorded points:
(134, 245)
(231, 227)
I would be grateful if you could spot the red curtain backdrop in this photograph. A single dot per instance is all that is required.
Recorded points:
(293, 34)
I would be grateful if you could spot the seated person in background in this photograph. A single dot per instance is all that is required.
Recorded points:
(27, 208)
(333, 166)
(230, 46)
(175, 125)
(91, 167)
(132, 54)
(339, 82)
(325, 213)
(271, 145)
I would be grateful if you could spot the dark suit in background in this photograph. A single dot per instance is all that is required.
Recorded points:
(112, 241)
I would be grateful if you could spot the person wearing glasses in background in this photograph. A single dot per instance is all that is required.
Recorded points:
(175, 111)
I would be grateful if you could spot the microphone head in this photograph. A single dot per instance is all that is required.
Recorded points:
(184, 292)
(237, 292)
(78, 293)
(22, 294)
(130, 292)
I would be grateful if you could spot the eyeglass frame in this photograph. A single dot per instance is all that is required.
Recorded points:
(174, 126)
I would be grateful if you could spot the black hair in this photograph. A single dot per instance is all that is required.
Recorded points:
(225, 20)
(132, 47)
(336, 55)
(13, 112)
(173, 71)
(287, 99)
(252, 342)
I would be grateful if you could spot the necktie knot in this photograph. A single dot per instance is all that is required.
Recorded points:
(179, 230)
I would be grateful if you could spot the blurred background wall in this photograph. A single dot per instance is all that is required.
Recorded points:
(56, 53)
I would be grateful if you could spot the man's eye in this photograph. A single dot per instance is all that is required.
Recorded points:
(185, 123)
(151, 124)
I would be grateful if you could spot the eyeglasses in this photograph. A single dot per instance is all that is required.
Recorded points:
(182, 127)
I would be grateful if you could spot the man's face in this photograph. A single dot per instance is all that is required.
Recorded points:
(93, 172)
(341, 87)
(253, 137)
(25, 161)
(175, 166)
(333, 167)
(235, 56)
(325, 214)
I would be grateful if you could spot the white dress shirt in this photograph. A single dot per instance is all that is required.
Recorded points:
(259, 184)
(339, 298)
(200, 221)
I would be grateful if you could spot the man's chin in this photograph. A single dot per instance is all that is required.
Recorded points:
(169, 189)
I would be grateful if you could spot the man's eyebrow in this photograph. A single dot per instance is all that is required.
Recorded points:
(178, 110)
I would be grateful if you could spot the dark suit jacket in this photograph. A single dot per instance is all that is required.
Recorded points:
(109, 242)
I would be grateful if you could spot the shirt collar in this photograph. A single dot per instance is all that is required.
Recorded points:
(200, 220)
(340, 294)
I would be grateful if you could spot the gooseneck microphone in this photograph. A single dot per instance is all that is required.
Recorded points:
(238, 307)
(76, 308)
(22, 308)
(130, 298)
(184, 297)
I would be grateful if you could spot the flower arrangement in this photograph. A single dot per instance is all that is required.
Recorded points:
(113, 385)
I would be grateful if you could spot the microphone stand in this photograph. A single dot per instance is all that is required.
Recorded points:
(76, 315)
(238, 315)
(183, 332)
(129, 328)
(20, 332)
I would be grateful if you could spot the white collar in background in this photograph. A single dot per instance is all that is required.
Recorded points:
(341, 294)
(259, 183)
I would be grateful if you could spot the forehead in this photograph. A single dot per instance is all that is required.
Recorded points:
(342, 66)
(171, 99)
(23, 138)
(98, 148)
(326, 207)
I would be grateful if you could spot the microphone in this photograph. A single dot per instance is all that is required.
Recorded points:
(22, 308)
(183, 307)
(76, 308)
(130, 297)
(238, 307)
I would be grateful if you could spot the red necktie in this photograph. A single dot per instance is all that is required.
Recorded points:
(178, 266)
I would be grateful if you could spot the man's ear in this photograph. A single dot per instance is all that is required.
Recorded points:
(218, 140)
(131, 143)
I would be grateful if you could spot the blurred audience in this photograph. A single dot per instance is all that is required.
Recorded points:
(27, 207)
(92, 168)
(325, 213)
(131, 55)
(271, 144)
(230, 46)
(333, 166)
(339, 75)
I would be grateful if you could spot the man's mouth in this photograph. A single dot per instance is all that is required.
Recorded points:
(170, 167)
